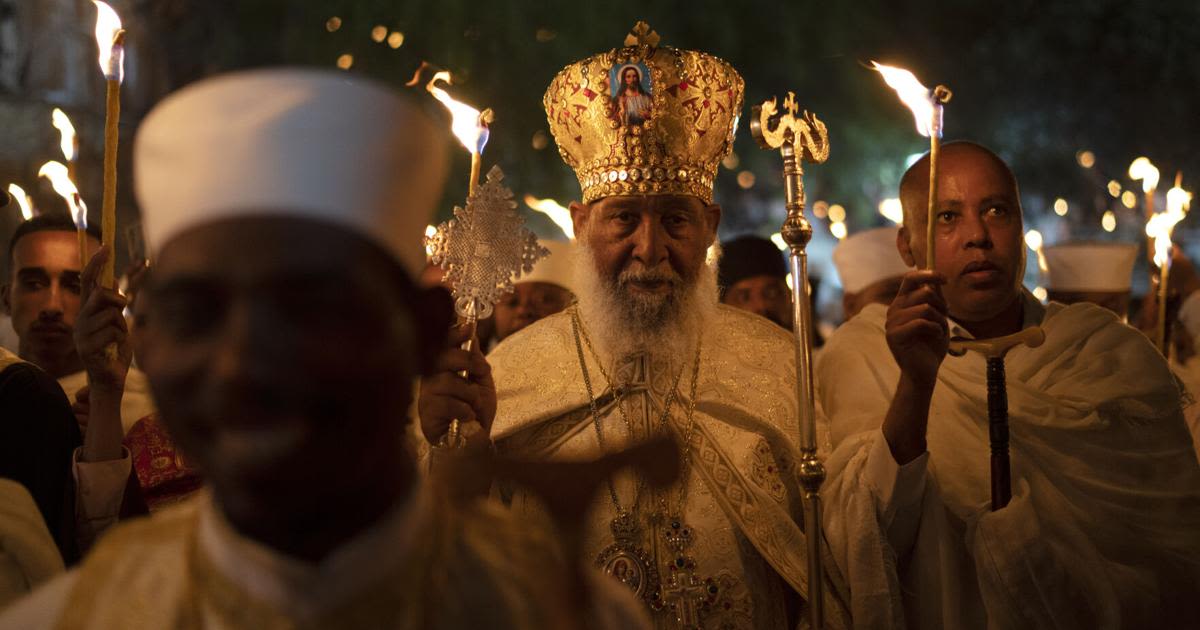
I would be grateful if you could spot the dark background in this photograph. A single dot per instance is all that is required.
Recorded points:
(1036, 81)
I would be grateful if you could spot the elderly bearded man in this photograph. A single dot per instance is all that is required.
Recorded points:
(1101, 529)
(648, 349)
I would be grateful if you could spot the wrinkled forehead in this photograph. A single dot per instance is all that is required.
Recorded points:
(651, 203)
(982, 170)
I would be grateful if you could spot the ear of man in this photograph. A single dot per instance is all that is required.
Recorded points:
(902, 245)
(712, 212)
(579, 216)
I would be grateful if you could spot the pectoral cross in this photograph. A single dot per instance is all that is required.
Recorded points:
(685, 595)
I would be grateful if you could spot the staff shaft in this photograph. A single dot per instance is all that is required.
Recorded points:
(997, 401)
(796, 233)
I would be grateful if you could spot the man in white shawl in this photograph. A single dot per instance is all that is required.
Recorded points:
(1103, 529)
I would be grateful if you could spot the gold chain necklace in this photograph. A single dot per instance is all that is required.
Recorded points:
(581, 334)
(678, 590)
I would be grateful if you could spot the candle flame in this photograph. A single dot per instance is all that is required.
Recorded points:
(56, 172)
(1142, 169)
(468, 124)
(110, 39)
(777, 239)
(915, 96)
(23, 200)
(559, 215)
(1161, 224)
(66, 131)
(893, 210)
(430, 232)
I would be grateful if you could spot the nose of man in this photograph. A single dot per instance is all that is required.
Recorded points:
(976, 230)
(649, 243)
(52, 308)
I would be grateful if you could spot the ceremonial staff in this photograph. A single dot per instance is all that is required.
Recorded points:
(485, 246)
(800, 139)
(997, 400)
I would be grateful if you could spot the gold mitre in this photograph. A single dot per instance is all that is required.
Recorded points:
(645, 119)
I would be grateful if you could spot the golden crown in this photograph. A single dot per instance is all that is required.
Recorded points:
(645, 119)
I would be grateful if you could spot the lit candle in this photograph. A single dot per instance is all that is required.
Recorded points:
(927, 108)
(23, 200)
(56, 172)
(69, 142)
(558, 214)
(1159, 229)
(110, 39)
(1142, 169)
(470, 127)
(468, 124)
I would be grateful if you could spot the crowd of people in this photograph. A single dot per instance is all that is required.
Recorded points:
(630, 409)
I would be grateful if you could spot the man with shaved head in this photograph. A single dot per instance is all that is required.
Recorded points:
(1101, 527)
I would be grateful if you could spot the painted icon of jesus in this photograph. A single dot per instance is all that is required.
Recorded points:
(631, 102)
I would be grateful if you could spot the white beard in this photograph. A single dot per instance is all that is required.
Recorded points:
(621, 322)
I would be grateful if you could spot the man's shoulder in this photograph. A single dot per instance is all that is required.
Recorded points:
(169, 527)
(867, 325)
(1087, 328)
(548, 333)
(746, 330)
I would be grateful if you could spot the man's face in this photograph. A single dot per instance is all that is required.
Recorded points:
(764, 295)
(43, 294)
(1115, 301)
(282, 354)
(650, 248)
(978, 234)
(881, 292)
(529, 302)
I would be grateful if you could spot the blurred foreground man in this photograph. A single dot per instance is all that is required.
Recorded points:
(649, 350)
(1101, 529)
(283, 329)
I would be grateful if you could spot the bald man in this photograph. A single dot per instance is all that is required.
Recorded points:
(1100, 530)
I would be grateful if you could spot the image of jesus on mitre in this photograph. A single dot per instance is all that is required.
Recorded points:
(630, 88)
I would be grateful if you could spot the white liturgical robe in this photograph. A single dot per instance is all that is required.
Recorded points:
(744, 558)
(1103, 530)
(427, 564)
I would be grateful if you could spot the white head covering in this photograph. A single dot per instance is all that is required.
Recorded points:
(865, 258)
(557, 268)
(1090, 266)
(311, 144)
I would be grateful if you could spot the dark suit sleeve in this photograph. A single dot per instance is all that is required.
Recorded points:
(38, 434)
